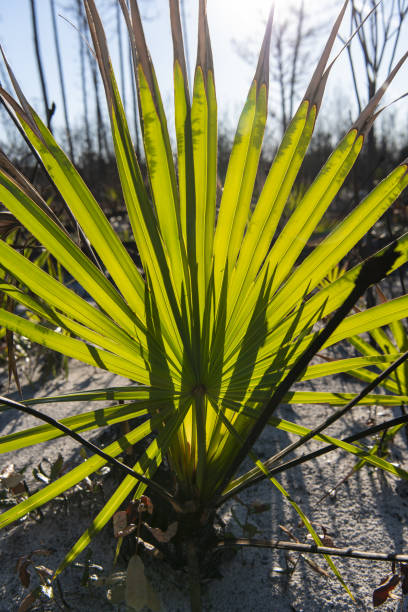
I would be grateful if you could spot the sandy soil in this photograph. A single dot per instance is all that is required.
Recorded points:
(368, 512)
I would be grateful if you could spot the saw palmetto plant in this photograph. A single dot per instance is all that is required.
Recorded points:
(226, 315)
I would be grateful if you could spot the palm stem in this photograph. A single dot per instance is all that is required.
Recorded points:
(194, 576)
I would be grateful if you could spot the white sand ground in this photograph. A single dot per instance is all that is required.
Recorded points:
(368, 512)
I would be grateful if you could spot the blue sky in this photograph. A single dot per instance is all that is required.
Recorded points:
(228, 19)
(234, 75)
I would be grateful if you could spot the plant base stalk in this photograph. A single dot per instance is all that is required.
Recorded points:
(194, 576)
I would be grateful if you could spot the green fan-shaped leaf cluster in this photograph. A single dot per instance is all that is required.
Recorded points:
(225, 306)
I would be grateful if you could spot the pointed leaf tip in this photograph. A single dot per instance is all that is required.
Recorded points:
(177, 37)
(262, 70)
(204, 52)
(100, 45)
(404, 163)
(137, 37)
(368, 114)
(22, 99)
(315, 90)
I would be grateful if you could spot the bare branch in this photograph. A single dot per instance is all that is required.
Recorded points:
(92, 447)
(312, 548)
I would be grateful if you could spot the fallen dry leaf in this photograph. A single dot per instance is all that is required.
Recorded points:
(163, 536)
(120, 521)
(44, 573)
(22, 571)
(132, 512)
(139, 592)
(147, 502)
(10, 477)
(28, 601)
(381, 593)
(325, 539)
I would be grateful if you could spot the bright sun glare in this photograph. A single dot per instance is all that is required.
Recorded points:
(245, 17)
